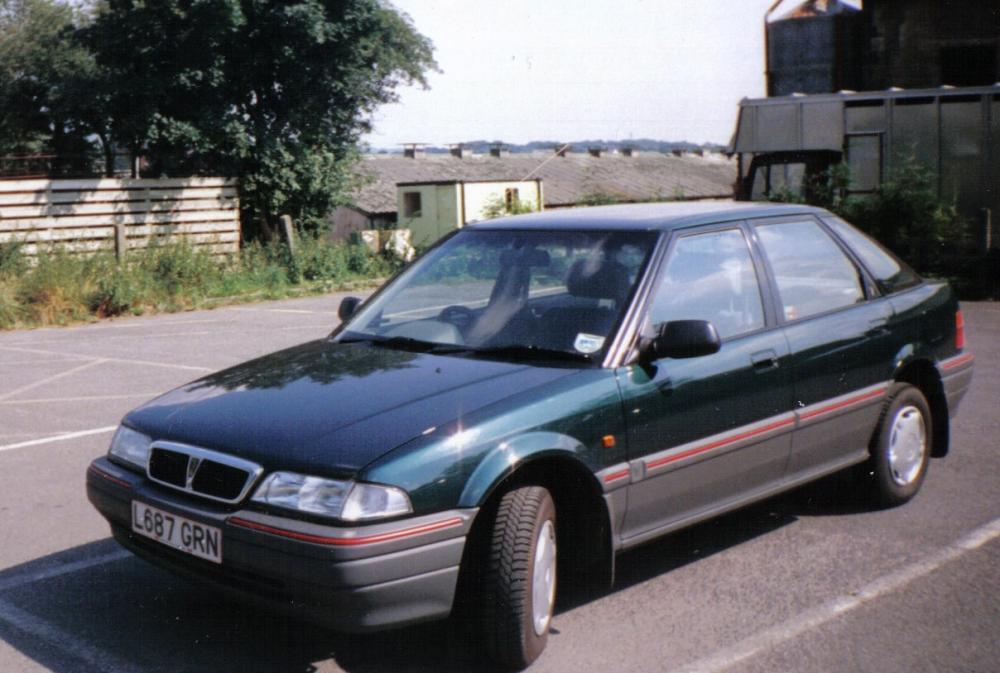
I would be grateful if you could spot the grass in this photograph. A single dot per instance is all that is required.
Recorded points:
(59, 288)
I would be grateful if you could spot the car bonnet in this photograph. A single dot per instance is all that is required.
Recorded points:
(330, 409)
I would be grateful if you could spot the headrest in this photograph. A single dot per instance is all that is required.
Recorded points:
(597, 279)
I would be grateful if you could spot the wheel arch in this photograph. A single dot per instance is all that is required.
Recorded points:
(923, 375)
(583, 519)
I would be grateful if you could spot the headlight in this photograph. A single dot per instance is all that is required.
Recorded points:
(374, 501)
(130, 447)
(344, 500)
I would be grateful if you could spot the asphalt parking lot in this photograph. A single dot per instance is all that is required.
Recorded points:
(807, 582)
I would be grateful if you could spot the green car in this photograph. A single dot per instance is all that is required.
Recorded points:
(533, 396)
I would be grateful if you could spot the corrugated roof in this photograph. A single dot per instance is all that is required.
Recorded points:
(565, 180)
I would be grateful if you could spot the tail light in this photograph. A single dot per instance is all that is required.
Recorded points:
(959, 331)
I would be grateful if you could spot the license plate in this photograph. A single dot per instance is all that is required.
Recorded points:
(178, 532)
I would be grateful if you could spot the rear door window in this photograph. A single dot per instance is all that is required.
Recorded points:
(813, 275)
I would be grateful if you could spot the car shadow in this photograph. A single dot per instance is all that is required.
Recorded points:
(107, 604)
(835, 495)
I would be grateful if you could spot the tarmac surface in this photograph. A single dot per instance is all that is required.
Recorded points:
(808, 582)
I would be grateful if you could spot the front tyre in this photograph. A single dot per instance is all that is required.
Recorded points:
(901, 447)
(520, 581)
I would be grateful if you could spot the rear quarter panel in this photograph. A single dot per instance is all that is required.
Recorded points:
(923, 323)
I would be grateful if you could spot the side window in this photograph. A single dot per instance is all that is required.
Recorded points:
(812, 273)
(711, 277)
(411, 204)
(889, 272)
(510, 199)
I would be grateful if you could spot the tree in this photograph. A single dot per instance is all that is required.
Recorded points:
(276, 92)
(43, 73)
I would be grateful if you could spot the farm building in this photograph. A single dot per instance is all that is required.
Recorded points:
(568, 179)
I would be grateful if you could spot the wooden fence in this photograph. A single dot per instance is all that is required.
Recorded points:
(119, 215)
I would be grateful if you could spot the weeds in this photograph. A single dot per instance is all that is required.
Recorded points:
(58, 287)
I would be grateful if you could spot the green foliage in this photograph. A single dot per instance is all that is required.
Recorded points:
(497, 206)
(598, 199)
(59, 287)
(55, 290)
(10, 308)
(907, 215)
(45, 75)
(277, 93)
(11, 260)
(826, 189)
(604, 199)
(116, 293)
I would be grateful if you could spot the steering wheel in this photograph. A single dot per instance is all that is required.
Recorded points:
(458, 315)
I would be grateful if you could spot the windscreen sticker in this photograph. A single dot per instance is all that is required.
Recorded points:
(588, 343)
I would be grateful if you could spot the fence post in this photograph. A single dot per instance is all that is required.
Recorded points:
(288, 232)
(121, 243)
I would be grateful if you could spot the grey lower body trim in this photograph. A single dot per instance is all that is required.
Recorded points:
(756, 496)
(956, 385)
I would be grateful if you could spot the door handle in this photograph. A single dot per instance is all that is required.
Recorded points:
(764, 360)
(877, 327)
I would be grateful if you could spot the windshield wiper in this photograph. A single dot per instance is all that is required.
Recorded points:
(530, 352)
(506, 351)
(396, 342)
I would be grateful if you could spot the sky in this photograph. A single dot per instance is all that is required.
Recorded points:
(521, 70)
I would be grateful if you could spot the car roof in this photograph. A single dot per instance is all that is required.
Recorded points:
(647, 216)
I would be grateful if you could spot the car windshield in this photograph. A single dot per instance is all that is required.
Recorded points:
(508, 293)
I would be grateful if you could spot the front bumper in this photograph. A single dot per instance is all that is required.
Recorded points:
(358, 579)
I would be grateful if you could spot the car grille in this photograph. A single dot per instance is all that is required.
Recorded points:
(209, 474)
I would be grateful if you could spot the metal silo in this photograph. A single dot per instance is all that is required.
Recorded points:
(815, 48)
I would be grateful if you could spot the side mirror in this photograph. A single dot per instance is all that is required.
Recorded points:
(348, 307)
(682, 339)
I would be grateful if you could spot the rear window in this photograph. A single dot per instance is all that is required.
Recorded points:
(891, 274)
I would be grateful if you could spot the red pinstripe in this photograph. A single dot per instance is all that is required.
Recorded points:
(957, 362)
(843, 404)
(615, 476)
(719, 443)
(115, 480)
(348, 541)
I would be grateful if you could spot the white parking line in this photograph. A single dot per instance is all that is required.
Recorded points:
(810, 619)
(145, 363)
(22, 579)
(82, 398)
(720, 661)
(58, 438)
(49, 379)
(67, 643)
(25, 363)
(280, 310)
(89, 329)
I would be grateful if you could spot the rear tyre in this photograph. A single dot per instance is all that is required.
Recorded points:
(901, 446)
(519, 586)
